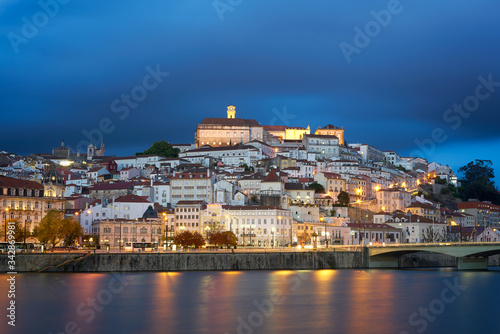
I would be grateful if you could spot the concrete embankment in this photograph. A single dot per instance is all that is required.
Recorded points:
(113, 262)
(189, 261)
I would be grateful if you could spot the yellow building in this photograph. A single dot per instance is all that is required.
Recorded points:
(424, 210)
(331, 130)
(287, 133)
(26, 201)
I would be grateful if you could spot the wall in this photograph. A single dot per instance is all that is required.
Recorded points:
(213, 261)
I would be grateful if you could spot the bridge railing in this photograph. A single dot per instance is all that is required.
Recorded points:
(437, 244)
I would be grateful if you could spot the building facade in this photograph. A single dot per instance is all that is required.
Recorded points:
(228, 131)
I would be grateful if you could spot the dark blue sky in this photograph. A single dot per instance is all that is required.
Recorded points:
(63, 77)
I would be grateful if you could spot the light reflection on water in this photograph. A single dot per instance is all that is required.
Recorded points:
(321, 301)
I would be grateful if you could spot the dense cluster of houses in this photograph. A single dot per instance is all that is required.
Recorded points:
(270, 185)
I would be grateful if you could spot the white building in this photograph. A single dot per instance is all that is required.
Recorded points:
(162, 193)
(322, 145)
(124, 207)
(192, 186)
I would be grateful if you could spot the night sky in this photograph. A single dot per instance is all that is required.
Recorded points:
(389, 82)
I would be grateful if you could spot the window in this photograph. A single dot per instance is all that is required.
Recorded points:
(144, 230)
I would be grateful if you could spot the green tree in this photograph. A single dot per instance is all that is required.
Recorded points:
(343, 198)
(254, 199)
(478, 181)
(71, 231)
(51, 227)
(162, 148)
(318, 188)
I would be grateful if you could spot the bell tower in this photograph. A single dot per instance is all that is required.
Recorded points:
(231, 111)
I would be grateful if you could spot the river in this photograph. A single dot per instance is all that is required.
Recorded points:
(309, 301)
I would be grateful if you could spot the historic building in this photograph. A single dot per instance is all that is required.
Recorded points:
(324, 146)
(331, 130)
(228, 131)
(286, 132)
(26, 202)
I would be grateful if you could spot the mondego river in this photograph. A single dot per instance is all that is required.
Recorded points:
(292, 302)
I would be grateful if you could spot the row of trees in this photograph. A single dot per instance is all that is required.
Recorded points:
(190, 239)
(53, 229)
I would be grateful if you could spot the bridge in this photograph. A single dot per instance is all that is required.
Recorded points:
(471, 256)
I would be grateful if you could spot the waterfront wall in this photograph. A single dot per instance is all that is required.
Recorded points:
(130, 262)
(189, 261)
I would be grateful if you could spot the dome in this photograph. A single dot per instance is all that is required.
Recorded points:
(52, 176)
(150, 213)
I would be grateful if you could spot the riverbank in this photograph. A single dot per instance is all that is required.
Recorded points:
(191, 261)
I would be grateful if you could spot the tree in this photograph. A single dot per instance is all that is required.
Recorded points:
(50, 229)
(343, 198)
(187, 239)
(162, 148)
(71, 230)
(254, 199)
(197, 240)
(226, 238)
(429, 234)
(318, 188)
(19, 231)
(477, 181)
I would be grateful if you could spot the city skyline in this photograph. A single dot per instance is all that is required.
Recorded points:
(281, 64)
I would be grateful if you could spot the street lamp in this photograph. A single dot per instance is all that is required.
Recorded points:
(326, 240)
(272, 232)
(5, 222)
(207, 230)
(280, 222)
(91, 220)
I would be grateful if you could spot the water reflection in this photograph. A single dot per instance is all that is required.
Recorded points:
(323, 301)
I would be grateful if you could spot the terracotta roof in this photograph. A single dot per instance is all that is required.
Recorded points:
(274, 127)
(95, 169)
(272, 177)
(18, 183)
(330, 127)
(187, 202)
(133, 199)
(230, 121)
(421, 205)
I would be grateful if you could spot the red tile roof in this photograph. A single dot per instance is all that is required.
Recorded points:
(230, 121)
(18, 183)
(133, 199)
(272, 177)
